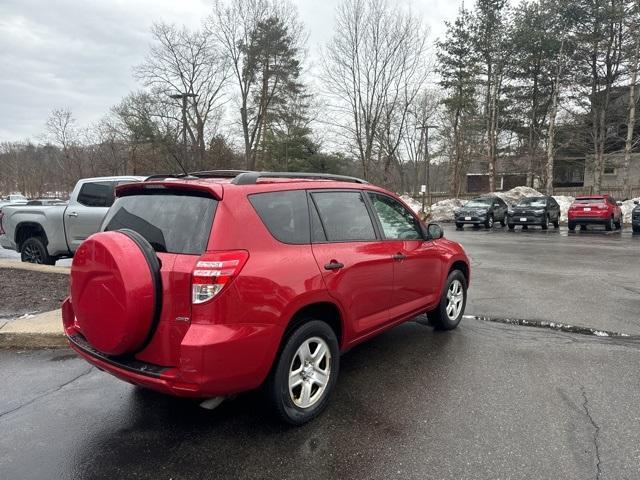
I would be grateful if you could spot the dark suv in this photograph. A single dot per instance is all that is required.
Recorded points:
(482, 211)
(205, 287)
(540, 211)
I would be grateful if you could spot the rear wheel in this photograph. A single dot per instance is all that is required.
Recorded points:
(609, 225)
(556, 223)
(452, 303)
(34, 250)
(512, 226)
(572, 226)
(619, 223)
(459, 226)
(305, 373)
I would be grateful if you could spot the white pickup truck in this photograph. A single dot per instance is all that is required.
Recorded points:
(43, 234)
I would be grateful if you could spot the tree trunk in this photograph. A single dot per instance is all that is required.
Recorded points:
(552, 122)
(628, 146)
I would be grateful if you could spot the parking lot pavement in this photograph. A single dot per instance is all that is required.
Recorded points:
(584, 278)
(485, 401)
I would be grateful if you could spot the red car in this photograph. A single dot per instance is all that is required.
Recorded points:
(205, 287)
(595, 209)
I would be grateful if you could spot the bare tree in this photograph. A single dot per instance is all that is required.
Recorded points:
(628, 146)
(373, 67)
(187, 62)
(62, 131)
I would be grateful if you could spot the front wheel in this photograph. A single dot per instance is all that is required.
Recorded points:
(459, 226)
(488, 223)
(609, 225)
(305, 373)
(449, 312)
(34, 250)
(545, 223)
(503, 222)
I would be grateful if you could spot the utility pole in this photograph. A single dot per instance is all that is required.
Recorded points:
(184, 97)
(427, 192)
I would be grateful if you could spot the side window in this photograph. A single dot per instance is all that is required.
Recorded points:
(97, 194)
(285, 214)
(397, 222)
(344, 216)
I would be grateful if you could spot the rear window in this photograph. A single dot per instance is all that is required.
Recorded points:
(285, 214)
(172, 223)
(96, 194)
(590, 200)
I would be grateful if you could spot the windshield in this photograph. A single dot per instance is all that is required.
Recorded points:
(532, 202)
(479, 202)
(171, 223)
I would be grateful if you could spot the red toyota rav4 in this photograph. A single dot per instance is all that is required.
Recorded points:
(205, 287)
(595, 210)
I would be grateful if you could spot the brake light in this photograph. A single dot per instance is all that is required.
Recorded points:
(213, 272)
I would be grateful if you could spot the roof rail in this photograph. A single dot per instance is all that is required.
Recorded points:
(160, 176)
(218, 173)
(250, 178)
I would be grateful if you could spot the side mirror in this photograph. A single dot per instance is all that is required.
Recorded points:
(619, 203)
(434, 231)
(636, 202)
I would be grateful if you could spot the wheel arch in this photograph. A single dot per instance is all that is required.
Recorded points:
(325, 311)
(26, 230)
(463, 267)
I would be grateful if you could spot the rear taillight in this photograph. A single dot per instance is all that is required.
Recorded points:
(213, 272)
(1, 229)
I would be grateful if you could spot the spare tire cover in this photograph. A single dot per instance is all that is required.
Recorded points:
(113, 292)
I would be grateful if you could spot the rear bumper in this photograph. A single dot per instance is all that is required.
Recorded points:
(214, 360)
(590, 220)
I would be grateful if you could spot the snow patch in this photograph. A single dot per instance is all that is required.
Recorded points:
(627, 207)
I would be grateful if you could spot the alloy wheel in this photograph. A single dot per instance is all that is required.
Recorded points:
(31, 254)
(455, 297)
(309, 372)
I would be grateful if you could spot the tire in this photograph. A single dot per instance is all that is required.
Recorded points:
(459, 226)
(34, 250)
(609, 225)
(441, 318)
(503, 222)
(488, 223)
(281, 396)
(572, 227)
(556, 224)
(512, 226)
(545, 223)
(619, 224)
(636, 229)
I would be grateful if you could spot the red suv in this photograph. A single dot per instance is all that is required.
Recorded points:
(205, 287)
(595, 209)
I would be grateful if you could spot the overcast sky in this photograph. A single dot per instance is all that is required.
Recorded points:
(80, 54)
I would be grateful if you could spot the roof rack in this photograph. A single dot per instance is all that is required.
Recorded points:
(250, 178)
(247, 177)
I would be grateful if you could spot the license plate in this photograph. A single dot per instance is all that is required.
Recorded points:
(523, 219)
(467, 218)
(587, 209)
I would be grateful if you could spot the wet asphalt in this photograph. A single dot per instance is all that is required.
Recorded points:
(486, 401)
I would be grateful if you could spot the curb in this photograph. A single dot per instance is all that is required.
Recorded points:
(40, 331)
(14, 264)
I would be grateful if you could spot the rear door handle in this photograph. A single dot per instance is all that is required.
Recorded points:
(399, 257)
(333, 265)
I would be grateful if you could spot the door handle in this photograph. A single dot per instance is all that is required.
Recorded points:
(399, 257)
(73, 214)
(333, 265)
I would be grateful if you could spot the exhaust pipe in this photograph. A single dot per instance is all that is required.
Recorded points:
(212, 403)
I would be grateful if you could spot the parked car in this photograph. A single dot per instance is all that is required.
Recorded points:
(205, 288)
(482, 211)
(13, 199)
(534, 211)
(635, 217)
(43, 234)
(595, 210)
